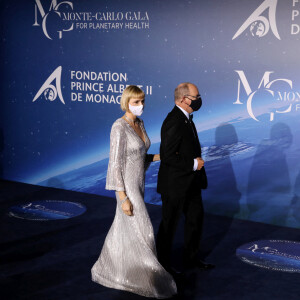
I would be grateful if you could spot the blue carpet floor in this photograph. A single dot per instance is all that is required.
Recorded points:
(52, 259)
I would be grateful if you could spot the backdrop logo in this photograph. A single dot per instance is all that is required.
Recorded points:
(277, 255)
(282, 101)
(50, 91)
(259, 24)
(54, 9)
(47, 210)
(61, 17)
(256, 248)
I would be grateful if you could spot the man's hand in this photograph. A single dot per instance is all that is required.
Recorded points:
(156, 157)
(200, 163)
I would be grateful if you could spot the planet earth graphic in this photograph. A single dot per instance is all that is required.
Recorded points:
(257, 29)
(250, 175)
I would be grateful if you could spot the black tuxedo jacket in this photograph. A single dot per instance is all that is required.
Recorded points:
(179, 146)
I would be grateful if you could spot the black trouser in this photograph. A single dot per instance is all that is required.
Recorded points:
(172, 207)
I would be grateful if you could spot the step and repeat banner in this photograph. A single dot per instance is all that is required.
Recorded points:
(64, 65)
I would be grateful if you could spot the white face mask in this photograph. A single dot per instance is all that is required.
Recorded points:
(136, 110)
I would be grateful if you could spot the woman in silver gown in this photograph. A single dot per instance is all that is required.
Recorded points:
(128, 258)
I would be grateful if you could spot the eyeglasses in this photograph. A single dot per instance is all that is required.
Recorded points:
(195, 97)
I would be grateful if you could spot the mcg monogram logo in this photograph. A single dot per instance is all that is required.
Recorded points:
(265, 84)
(54, 9)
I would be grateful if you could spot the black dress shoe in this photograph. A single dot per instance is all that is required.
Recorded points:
(197, 263)
(173, 271)
(204, 266)
(176, 274)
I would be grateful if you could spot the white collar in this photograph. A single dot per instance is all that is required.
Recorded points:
(184, 111)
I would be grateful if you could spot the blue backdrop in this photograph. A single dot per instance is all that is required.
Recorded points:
(65, 63)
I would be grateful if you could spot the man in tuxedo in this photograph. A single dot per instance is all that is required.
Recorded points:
(180, 179)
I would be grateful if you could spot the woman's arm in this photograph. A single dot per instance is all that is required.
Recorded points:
(126, 205)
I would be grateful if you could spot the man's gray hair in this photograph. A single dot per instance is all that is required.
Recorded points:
(181, 90)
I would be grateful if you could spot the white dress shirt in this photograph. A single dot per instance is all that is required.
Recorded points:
(188, 117)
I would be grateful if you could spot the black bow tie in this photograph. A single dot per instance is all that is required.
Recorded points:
(190, 118)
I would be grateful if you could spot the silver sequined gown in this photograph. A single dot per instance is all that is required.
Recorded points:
(128, 257)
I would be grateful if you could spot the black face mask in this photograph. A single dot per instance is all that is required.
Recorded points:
(196, 104)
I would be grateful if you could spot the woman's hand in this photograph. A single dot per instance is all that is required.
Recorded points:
(127, 207)
(156, 157)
